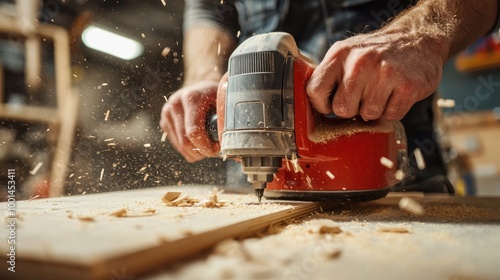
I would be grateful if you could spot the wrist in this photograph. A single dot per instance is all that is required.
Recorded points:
(421, 30)
(213, 76)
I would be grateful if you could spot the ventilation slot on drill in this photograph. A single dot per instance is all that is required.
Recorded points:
(259, 62)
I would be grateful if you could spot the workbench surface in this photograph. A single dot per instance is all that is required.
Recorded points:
(455, 238)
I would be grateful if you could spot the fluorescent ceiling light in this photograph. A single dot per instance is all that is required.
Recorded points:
(111, 43)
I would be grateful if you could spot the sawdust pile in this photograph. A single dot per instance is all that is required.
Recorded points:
(436, 213)
(331, 129)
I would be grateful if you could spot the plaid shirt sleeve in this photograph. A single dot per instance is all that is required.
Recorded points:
(213, 13)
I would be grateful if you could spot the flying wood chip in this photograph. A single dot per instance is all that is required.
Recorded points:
(170, 196)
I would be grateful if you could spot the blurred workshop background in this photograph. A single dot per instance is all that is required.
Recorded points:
(82, 117)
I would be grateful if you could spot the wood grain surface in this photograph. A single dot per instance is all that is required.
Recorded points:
(78, 237)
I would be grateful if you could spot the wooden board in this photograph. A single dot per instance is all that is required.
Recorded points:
(77, 238)
(455, 238)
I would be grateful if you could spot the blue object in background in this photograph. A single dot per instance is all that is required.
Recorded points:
(475, 91)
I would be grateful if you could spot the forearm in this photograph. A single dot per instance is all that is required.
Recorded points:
(210, 28)
(446, 26)
(206, 51)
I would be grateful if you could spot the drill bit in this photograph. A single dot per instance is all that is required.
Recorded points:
(259, 189)
(259, 193)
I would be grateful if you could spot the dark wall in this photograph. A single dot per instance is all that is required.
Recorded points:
(472, 92)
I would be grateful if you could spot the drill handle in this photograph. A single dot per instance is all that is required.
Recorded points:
(211, 126)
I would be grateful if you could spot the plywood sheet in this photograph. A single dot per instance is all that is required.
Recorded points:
(77, 237)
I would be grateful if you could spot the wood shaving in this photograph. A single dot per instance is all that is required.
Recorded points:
(393, 230)
(123, 213)
(333, 255)
(212, 195)
(324, 227)
(119, 213)
(102, 174)
(411, 205)
(329, 229)
(295, 164)
(33, 198)
(170, 196)
(86, 219)
(37, 167)
(210, 204)
(445, 103)
(182, 202)
(399, 175)
(175, 200)
(166, 50)
(386, 162)
(213, 201)
(309, 182)
(419, 158)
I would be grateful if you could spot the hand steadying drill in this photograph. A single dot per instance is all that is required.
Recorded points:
(382, 74)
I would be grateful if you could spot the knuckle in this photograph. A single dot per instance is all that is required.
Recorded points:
(193, 132)
(344, 111)
(344, 105)
(386, 70)
(397, 109)
(350, 83)
(165, 109)
(184, 141)
(393, 114)
(370, 55)
(370, 112)
(408, 87)
(339, 47)
(313, 89)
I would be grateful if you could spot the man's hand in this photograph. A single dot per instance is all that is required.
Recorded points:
(183, 118)
(206, 51)
(384, 73)
(374, 75)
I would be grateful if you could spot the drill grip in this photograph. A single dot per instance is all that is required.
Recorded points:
(211, 125)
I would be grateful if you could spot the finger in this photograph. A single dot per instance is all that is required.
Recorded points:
(373, 106)
(172, 137)
(399, 104)
(323, 81)
(375, 97)
(358, 75)
(163, 118)
(184, 145)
